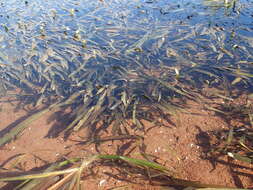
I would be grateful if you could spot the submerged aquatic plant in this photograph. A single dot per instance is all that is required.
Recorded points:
(235, 142)
(108, 68)
(158, 174)
(111, 67)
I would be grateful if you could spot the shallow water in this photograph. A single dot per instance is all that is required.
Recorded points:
(195, 30)
(116, 67)
(122, 53)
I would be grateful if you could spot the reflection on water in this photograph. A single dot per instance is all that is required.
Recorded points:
(120, 57)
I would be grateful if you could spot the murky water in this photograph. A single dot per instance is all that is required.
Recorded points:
(113, 59)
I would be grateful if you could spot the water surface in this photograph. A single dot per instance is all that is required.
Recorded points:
(119, 54)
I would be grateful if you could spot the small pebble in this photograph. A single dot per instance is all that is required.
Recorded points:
(102, 182)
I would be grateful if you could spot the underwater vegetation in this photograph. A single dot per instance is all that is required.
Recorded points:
(110, 67)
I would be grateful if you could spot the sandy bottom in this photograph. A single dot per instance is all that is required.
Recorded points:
(179, 143)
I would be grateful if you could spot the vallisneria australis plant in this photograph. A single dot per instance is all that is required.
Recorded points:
(71, 178)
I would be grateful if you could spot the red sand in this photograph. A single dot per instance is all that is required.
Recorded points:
(176, 144)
